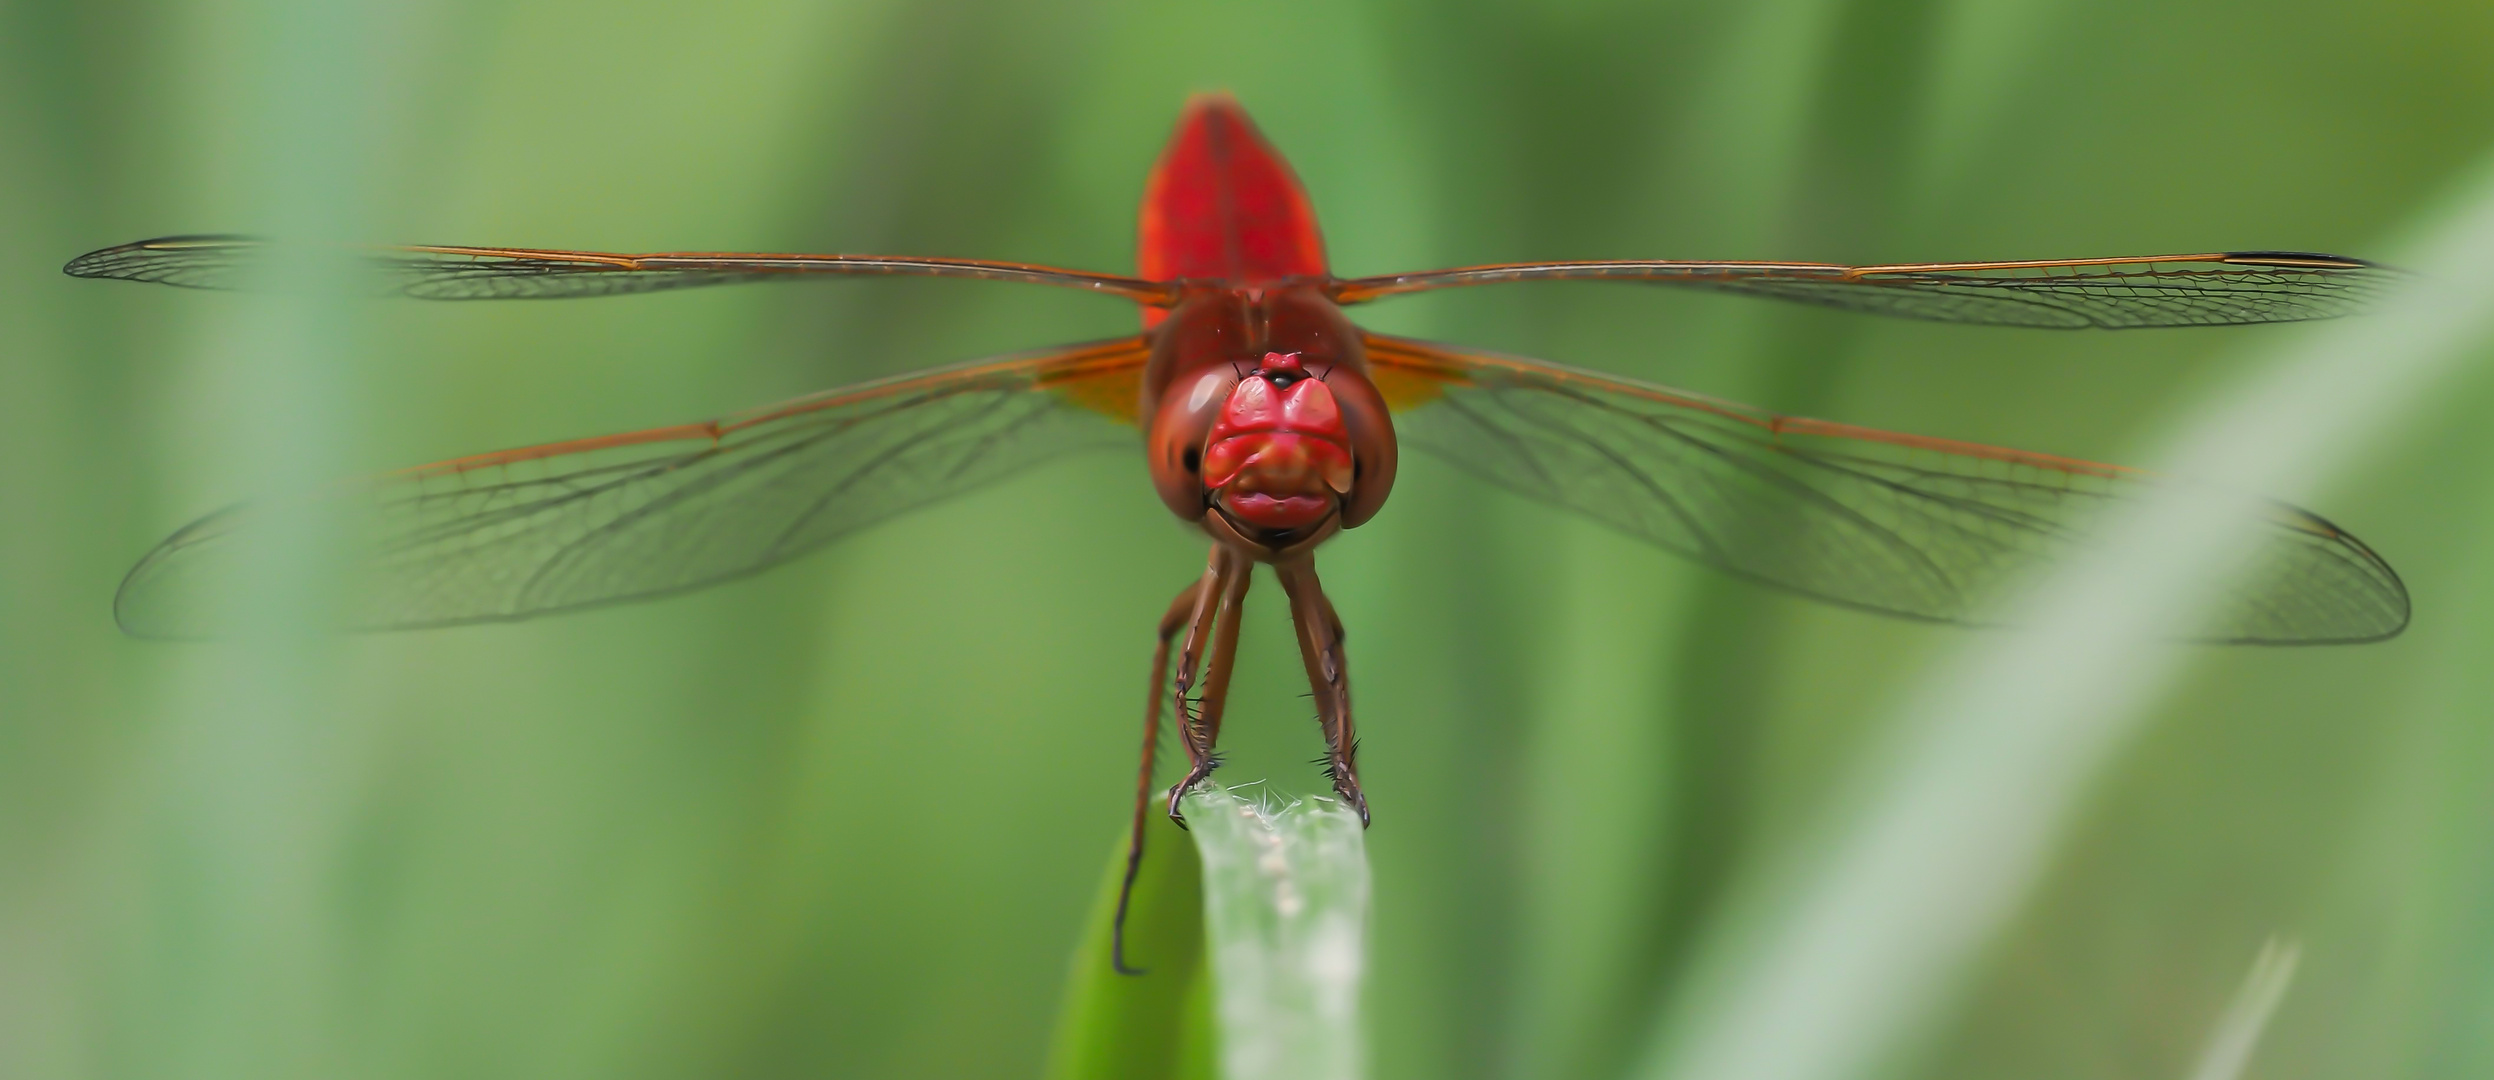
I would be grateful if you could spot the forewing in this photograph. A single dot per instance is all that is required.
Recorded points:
(1923, 528)
(569, 525)
(489, 273)
(2215, 289)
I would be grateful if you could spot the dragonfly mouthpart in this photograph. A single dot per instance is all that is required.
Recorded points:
(1279, 457)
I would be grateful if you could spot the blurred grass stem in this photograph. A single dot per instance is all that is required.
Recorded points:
(1285, 925)
(258, 761)
(2237, 1034)
(1860, 942)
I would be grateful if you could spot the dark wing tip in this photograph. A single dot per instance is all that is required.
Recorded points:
(2313, 260)
(102, 262)
(132, 261)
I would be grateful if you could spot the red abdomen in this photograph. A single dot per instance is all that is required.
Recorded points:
(1222, 204)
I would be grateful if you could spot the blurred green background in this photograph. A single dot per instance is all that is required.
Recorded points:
(846, 818)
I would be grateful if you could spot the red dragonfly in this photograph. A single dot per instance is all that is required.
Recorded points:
(1272, 422)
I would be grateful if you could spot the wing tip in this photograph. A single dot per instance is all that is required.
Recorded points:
(112, 263)
(2394, 607)
(2301, 260)
(125, 603)
(126, 613)
(100, 262)
(130, 612)
(2401, 603)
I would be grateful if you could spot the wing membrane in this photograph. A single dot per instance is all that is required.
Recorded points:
(2217, 289)
(1923, 528)
(489, 273)
(567, 525)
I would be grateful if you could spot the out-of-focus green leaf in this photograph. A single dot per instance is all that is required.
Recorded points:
(1153, 1026)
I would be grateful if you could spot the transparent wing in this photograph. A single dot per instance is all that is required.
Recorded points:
(489, 273)
(567, 525)
(2217, 289)
(1923, 528)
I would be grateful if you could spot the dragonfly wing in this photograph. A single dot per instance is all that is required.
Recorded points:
(1922, 528)
(2216, 289)
(568, 525)
(488, 273)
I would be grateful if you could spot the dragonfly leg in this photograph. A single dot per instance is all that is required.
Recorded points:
(1199, 715)
(1180, 611)
(1320, 647)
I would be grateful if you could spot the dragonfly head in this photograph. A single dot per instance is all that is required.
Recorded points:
(1279, 444)
(1276, 454)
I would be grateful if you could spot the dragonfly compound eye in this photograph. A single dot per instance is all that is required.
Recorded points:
(1176, 438)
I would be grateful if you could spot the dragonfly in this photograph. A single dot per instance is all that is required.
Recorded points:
(1271, 423)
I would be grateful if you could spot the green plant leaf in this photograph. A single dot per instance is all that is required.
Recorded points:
(1154, 1025)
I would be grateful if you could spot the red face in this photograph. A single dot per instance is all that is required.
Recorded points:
(1264, 424)
(1278, 459)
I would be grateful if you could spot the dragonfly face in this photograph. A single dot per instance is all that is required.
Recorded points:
(1262, 425)
(1265, 416)
(1278, 462)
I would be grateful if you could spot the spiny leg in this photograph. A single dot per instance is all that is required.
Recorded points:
(1201, 724)
(1179, 610)
(1320, 648)
(1191, 736)
(1224, 649)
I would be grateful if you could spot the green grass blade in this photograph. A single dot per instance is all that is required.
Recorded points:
(1150, 1026)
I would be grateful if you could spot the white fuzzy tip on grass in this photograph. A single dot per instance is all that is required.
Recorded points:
(1286, 929)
